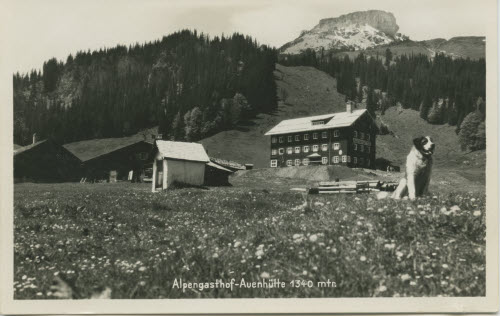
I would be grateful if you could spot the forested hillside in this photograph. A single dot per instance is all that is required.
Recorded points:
(188, 84)
(442, 89)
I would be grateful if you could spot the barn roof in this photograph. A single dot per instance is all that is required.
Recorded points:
(182, 150)
(227, 163)
(93, 148)
(303, 124)
(26, 148)
(214, 165)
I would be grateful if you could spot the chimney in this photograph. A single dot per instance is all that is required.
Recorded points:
(34, 138)
(348, 107)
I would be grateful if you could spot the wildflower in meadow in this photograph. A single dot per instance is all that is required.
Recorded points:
(265, 275)
(476, 213)
(405, 277)
(313, 238)
(260, 251)
(455, 208)
(382, 288)
(362, 258)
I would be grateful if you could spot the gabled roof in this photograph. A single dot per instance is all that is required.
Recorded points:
(303, 124)
(182, 150)
(26, 148)
(89, 149)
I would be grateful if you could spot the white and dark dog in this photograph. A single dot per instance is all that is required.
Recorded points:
(418, 170)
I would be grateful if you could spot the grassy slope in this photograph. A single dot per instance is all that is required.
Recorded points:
(451, 164)
(463, 46)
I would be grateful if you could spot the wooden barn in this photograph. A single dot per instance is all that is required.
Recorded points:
(344, 138)
(113, 159)
(45, 161)
(179, 162)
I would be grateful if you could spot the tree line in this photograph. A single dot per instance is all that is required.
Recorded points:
(188, 84)
(442, 89)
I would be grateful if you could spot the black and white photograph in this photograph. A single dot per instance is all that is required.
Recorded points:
(164, 150)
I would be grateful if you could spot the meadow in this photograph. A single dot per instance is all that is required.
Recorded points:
(133, 243)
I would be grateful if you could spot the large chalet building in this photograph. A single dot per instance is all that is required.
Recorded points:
(344, 138)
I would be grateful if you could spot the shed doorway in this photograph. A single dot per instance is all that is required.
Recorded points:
(158, 174)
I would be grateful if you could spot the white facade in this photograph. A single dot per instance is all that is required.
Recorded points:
(167, 170)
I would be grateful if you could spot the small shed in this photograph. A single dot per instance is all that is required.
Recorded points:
(180, 162)
(216, 175)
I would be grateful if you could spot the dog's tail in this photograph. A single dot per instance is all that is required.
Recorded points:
(383, 195)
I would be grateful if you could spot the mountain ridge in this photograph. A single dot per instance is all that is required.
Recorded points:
(374, 29)
(352, 31)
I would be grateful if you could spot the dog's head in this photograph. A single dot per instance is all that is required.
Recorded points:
(424, 145)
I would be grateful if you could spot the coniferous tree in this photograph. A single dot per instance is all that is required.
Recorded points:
(370, 102)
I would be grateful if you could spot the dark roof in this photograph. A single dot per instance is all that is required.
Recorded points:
(219, 167)
(26, 148)
(227, 163)
(89, 149)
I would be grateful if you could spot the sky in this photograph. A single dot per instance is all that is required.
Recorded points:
(40, 30)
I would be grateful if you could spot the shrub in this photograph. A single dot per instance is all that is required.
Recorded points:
(472, 135)
(436, 113)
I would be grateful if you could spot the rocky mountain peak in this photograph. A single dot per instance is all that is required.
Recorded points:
(357, 30)
(380, 20)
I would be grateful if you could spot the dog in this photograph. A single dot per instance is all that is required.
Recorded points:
(418, 170)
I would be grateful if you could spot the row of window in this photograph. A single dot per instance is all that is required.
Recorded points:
(315, 148)
(362, 148)
(290, 138)
(305, 149)
(336, 133)
(324, 160)
(361, 135)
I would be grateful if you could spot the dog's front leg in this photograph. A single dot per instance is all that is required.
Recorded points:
(426, 186)
(411, 187)
(400, 190)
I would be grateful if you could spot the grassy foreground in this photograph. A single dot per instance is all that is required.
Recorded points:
(136, 243)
